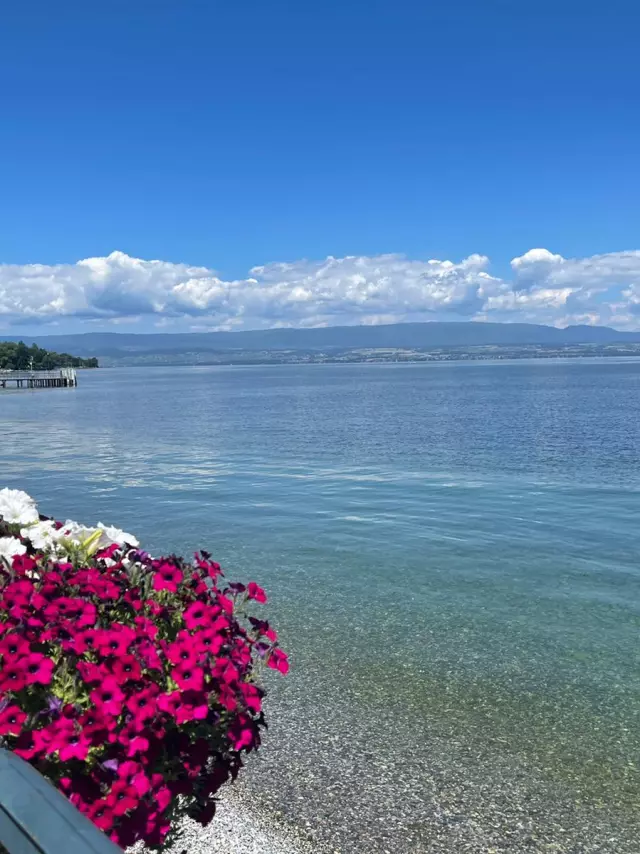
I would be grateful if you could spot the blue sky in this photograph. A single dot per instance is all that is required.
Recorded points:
(227, 136)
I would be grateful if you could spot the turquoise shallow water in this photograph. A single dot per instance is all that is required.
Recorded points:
(452, 553)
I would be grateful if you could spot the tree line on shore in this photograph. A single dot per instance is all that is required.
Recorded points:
(16, 356)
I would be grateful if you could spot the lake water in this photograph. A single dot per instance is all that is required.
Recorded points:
(451, 553)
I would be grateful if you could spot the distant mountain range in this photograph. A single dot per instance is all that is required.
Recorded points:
(113, 346)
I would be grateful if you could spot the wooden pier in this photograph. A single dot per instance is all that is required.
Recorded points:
(59, 378)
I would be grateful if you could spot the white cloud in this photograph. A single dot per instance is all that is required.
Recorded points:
(543, 287)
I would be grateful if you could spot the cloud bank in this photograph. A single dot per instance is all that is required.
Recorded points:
(542, 288)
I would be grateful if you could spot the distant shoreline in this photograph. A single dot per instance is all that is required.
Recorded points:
(371, 356)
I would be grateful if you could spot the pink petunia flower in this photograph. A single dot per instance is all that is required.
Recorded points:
(132, 598)
(135, 744)
(184, 650)
(143, 705)
(51, 582)
(83, 641)
(38, 669)
(146, 628)
(169, 703)
(126, 669)
(140, 783)
(227, 698)
(15, 598)
(94, 725)
(209, 641)
(24, 747)
(243, 733)
(12, 677)
(107, 697)
(189, 677)
(226, 604)
(116, 641)
(241, 654)
(199, 586)
(163, 797)
(11, 720)
(109, 552)
(191, 706)
(256, 593)
(73, 745)
(156, 828)
(149, 655)
(23, 565)
(63, 607)
(221, 623)
(270, 634)
(197, 616)
(122, 798)
(13, 646)
(43, 739)
(87, 616)
(101, 814)
(226, 672)
(167, 577)
(278, 660)
(251, 695)
(95, 583)
(91, 672)
(22, 589)
(210, 567)
(128, 770)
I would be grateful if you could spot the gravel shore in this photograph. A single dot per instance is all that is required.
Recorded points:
(240, 828)
(333, 780)
(339, 776)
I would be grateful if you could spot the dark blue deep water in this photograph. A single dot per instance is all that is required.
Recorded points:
(452, 556)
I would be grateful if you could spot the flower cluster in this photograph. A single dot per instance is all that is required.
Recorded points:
(128, 681)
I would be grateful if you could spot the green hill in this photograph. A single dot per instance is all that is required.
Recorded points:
(399, 335)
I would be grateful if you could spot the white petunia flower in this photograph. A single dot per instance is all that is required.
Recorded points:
(73, 532)
(46, 537)
(17, 508)
(42, 535)
(115, 535)
(10, 546)
(76, 531)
